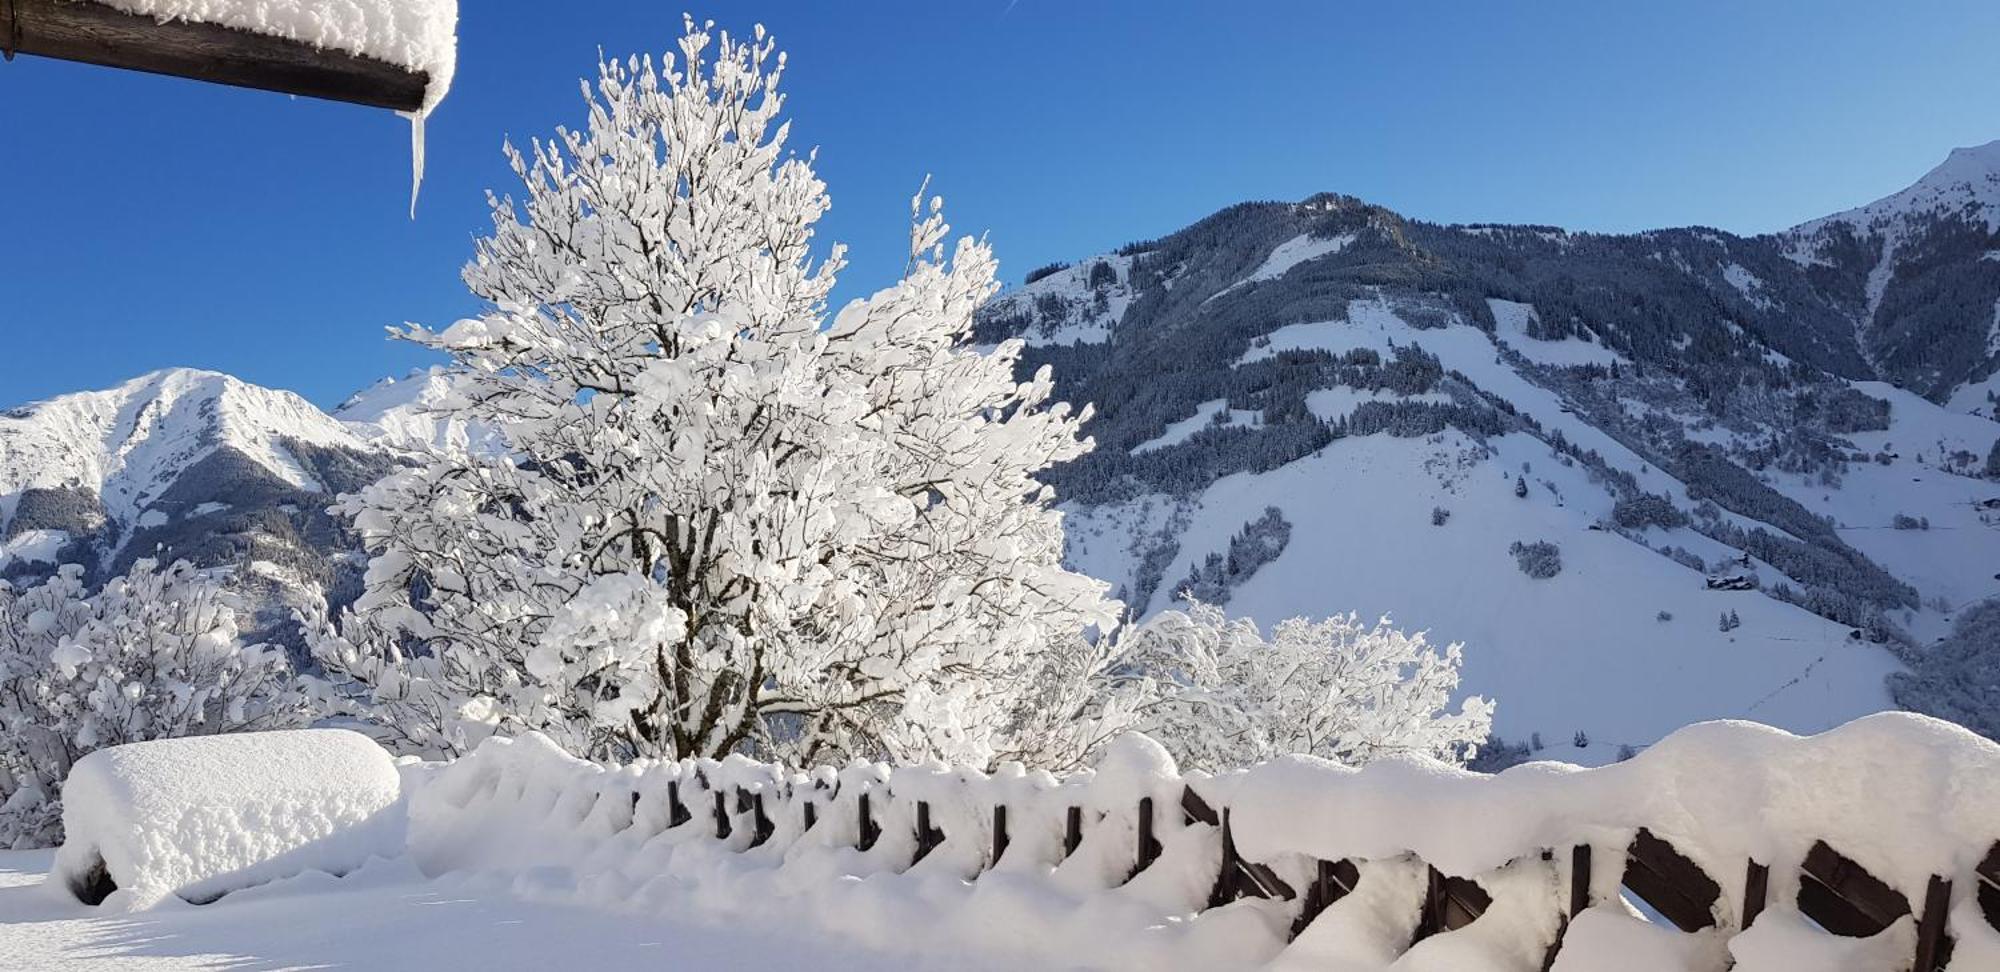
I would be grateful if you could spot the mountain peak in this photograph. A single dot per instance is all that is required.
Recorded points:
(1966, 183)
(128, 443)
(1971, 165)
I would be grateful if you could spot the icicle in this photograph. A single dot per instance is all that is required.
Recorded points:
(416, 154)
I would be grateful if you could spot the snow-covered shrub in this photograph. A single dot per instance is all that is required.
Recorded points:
(1959, 677)
(1540, 560)
(1647, 510)
(1904, 521)
(722, 519)
(199, 818)
(1218, 694)
(154, 654)
(1259, 542)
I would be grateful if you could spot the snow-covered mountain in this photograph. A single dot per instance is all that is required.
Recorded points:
(182, 463)
(1921, 272)
(400, 414)
(1646, 478)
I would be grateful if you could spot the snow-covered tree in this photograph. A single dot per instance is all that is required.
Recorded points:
(1218, 693)
(152, 655)
(723, 518)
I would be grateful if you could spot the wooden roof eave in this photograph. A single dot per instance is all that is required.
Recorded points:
(93, 33)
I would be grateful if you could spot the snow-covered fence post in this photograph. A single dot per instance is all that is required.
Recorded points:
(1072, 831)
(1756, 888)
(999, 833)
(1148, 850)
(1579, 879)
(1332, 881)
(1450, 903)
(677, 812)
(928, 837)
(1933, 944)
(762, 826)
(869, 829)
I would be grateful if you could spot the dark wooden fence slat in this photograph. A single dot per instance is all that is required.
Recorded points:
(1676, 887)
(1072, 831)
(1843, 897)
(870, 830)
(1196, 809)
(1933, 944)
(1332, 881)
(928, 837)
(1756, 888)
(811, 813)
(1450, 903)
(1988, 873)
(764, 828)
(1579, 879)
(677, 812)
(1148, 850)
(999, 831)
(722, 828)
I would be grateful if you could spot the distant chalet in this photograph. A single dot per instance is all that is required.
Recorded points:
(101, 33)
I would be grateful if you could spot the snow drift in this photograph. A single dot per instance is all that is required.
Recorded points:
(199, 817)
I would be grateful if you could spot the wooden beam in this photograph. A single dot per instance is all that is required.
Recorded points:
(92, 33)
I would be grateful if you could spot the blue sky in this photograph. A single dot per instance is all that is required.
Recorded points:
(149, 222)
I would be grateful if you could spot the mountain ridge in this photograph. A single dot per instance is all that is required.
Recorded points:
(1679, 459)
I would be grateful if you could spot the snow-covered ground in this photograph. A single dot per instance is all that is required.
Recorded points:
(390, 917)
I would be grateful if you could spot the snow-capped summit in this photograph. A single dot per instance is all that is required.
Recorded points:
(131, 443)
(401, 413)
(183, 463)
(1966, 184)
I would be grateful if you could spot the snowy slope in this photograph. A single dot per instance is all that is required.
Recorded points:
(1071, 309)
(129, 444)
(400, 414)
(1567, 654)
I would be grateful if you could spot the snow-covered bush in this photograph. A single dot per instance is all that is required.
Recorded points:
(199, 818)
(723, 518)
(1540, 560)
(1219, 694)
(152, 655)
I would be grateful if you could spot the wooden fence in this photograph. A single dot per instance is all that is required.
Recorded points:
(1835, 892)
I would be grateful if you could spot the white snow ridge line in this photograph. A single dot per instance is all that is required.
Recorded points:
(1873, 831)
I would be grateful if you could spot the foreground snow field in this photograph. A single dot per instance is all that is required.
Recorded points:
(387, 917)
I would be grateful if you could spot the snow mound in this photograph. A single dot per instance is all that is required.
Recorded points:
(1601, 938)
(202, 816)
